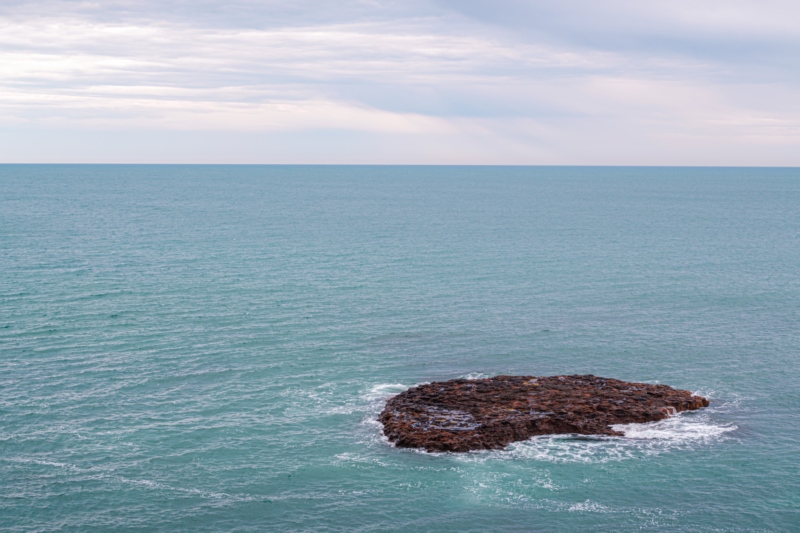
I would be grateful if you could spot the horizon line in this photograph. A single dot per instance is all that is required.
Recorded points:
(509, 165)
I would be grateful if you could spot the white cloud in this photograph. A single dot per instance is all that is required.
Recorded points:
(570, 89)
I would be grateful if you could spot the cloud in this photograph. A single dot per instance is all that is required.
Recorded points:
(502, 82)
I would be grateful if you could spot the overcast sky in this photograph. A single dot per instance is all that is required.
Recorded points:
(629, 82)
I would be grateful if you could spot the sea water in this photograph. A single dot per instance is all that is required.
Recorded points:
(207, 348)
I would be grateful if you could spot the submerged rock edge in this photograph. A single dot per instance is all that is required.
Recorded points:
(462, 415)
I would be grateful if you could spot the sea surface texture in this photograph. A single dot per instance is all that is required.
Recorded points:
(207, 348)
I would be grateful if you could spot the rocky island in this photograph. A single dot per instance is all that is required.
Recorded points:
(483, 414)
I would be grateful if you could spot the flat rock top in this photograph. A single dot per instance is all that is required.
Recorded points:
(484, 414)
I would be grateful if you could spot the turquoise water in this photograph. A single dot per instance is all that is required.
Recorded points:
(206, 348)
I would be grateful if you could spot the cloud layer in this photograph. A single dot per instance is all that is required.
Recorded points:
(469, 81)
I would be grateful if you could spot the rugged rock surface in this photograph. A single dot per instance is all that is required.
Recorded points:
(483, 414)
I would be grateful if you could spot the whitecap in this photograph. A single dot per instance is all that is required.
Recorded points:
(475, 375)
(588, 506)
(676, 429)
(383, 391)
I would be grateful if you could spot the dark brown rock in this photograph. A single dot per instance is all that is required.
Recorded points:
(484, 414)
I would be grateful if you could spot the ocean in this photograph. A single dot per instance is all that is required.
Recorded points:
(207, 348)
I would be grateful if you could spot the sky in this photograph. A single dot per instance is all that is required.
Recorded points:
(573, 82)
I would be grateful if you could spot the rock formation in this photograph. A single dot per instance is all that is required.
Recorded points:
(484, 414)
